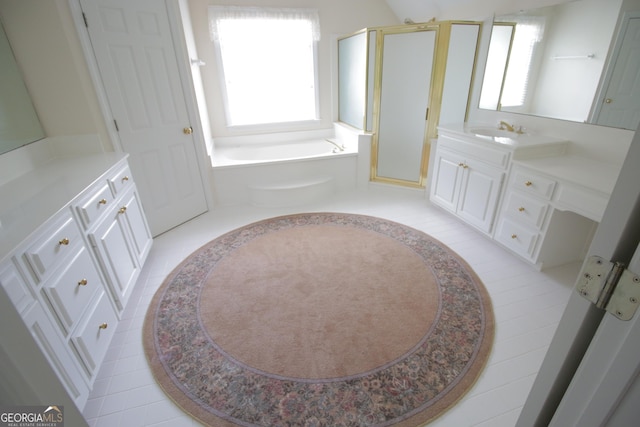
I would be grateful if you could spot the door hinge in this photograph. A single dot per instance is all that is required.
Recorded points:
(84, 17)
(426, 115)
(116, 125)
(610, 286)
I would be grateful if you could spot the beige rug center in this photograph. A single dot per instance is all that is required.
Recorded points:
(322, 305)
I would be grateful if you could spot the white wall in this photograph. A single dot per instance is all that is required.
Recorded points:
(564, 84)
(337, 17)
(47, 50)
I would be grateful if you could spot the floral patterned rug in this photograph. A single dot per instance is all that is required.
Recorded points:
(396, 326)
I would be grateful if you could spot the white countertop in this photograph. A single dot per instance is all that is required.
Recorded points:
(582, 171)
(31, 199)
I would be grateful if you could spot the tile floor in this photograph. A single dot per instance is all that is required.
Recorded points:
(527, 306)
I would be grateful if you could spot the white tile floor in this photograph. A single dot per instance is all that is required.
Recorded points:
(527, 306)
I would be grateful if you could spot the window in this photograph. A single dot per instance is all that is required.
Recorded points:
(268, 63)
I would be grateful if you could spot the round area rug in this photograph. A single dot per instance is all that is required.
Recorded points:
(320, 319)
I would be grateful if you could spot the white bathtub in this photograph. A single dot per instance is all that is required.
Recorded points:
(275, 152)
(286, 173)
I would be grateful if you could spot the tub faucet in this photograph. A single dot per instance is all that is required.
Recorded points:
(504, 125)
(338, 147)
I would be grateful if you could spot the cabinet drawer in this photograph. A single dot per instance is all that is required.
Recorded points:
(518, 238)
(93, 337)
(532, 183)
(55, 243)
(120, 181)
(524, 209)
(71, 291)
(95, 204)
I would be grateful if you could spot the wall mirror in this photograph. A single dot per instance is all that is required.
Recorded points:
(19, 124)
(556, 62)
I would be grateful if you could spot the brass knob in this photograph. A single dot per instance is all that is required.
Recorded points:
(82, 282)
(460, 164)
(514, 236)
(465, 166)
(521, 209)
(103, 326)
(122, 209)
(125, 178)
(64, 241)
(187, 131)
(103, 201)
(608, 101)
(528, 183)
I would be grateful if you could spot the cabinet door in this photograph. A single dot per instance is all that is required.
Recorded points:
(479, 195)
(136, 224)
(117, 255)
(446, 180)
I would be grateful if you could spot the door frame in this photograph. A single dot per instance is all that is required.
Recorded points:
(436, 82)
(186, 81)
(616, 239)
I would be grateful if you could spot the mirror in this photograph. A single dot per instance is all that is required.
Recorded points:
(551, 62)
(19, 124)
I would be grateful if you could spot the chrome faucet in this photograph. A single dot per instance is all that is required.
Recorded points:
(338, 147)
(504, 125)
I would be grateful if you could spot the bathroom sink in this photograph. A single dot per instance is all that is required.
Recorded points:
(497, 135)
(494, 132)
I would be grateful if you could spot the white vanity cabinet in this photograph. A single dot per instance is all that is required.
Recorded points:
(549, 208)
(522, 222)
(69, 266)
(467, 180)
(117, 229)
(549, 215)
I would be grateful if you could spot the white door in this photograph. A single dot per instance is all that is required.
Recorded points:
(620, 106)
(589, 375)
(133, 46)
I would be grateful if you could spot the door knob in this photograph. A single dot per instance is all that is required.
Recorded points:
(188, 130)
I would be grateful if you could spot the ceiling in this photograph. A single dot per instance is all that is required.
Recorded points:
(422, 10)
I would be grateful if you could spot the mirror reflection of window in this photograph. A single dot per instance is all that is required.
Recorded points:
(496, 65)
(528, 34)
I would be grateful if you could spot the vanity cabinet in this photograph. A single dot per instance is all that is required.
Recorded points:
(71, 271)
(467, 180)
(117, 229)
(537, 223)
(524, 211)
(551, 204)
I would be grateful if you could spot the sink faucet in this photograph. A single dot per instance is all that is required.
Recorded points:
(338, 147)
(504, 125)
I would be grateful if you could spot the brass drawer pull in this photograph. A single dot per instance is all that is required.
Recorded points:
(122, 209)
(514, 236)
(103, 326)
(521, 209)
(82, 282)
(64, 242)
(528, 183)
(103, 201)
(125, 178)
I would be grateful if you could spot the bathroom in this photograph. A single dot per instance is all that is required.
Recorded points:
(71, 111)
